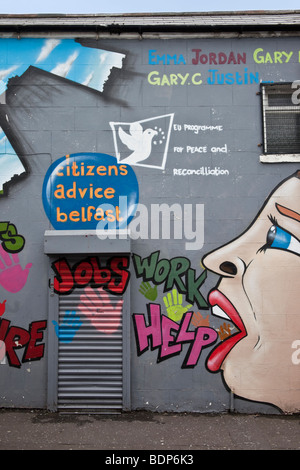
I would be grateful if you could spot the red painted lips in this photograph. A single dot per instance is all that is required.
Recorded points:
(218, 354)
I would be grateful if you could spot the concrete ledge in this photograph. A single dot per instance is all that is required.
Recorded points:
(280, 158)
(86, 241)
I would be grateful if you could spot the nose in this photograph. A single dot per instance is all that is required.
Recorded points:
(228, 267)
(225, 261)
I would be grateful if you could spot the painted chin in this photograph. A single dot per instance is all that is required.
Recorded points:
(222, 307)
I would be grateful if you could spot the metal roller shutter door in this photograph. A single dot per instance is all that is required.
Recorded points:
(90, 362)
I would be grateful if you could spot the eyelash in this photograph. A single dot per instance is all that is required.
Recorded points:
(273, 220)
(267, 245)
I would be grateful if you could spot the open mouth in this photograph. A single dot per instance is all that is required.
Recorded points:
(222, 307)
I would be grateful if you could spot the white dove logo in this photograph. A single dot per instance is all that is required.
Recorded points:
(139, 141)
(147, 148)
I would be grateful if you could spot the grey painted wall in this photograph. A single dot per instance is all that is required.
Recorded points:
(46, 116)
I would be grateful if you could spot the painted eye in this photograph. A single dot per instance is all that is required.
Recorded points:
(280, 239)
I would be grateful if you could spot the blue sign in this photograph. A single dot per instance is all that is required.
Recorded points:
(89, 191)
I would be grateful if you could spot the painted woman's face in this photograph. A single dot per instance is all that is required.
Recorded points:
(259, 292)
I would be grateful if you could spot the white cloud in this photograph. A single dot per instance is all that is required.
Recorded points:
(88, 79)
(64, 68)
(46, 50)
(103, 57)
(6, 72)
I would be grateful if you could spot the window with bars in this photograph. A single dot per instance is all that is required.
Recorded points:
(281, 119)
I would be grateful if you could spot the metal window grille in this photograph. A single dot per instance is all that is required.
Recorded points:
(90, 375)
(281, 119)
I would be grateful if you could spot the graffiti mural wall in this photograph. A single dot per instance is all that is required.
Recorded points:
(161, 139)
(258, 292)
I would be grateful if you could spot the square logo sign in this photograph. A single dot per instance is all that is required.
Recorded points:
(143, 143)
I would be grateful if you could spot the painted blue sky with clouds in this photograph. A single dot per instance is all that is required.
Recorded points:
(65, 58)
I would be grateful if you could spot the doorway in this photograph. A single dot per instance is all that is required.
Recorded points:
(89, 333)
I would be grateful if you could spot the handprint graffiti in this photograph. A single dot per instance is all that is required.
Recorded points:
(224, 331)
(173, 303)
(199, 320)
(12, 276)
(69, 326)
(103, 311)
(149, 292)
(98, 308)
